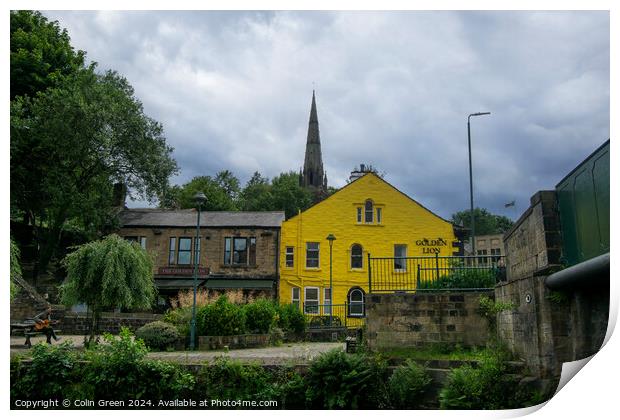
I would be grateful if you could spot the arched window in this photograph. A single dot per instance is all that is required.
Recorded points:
(356, 256)
(356, 302)
(368, 211)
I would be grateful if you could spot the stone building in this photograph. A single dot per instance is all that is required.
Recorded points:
(236, 250)
(488, 248)
(313, 176)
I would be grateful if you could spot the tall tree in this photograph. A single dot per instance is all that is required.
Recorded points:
(110, 273)
(71, 143)
(220, 191)
(288, 195)
(41, 54)
(486, 222)
(256, 195)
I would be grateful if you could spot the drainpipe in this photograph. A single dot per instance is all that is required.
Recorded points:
(593, 272)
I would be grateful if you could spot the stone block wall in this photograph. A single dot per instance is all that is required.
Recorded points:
(534, 242)
(77, 323)
(546, 328)
(418, 320)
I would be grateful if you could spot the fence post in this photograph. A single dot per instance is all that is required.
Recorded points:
(418, 279)
(345, 313)
(369, 275)
(437, 265)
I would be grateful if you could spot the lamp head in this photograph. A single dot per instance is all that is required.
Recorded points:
(331, 238)
(200, 198)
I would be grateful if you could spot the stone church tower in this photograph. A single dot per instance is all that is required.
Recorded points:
(313, 176)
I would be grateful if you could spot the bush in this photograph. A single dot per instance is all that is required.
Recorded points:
(50, 374)
(158, 335)
(340, 380)
(181, 318)
(407, 385)
(226, 379)
(486, 387)
(462, 278)
(291, 319)
(221, 318)
(260, 316)
(118, 370)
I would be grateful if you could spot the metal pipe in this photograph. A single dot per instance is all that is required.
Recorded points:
(592, 272)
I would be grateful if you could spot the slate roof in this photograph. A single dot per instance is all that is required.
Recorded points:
(187, 218)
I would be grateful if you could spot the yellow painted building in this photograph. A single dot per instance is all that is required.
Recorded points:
(368, 215)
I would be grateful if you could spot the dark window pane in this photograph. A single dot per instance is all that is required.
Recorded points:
(172, 251)
(240, 251)
(252, 260)
(185, 251)
(356, 256)
(227, 250)
(290, 256)
(368, 211)
(312, 254)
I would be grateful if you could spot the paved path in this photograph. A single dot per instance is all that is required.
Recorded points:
(283, 354)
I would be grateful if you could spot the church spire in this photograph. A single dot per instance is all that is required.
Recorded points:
(313, 175)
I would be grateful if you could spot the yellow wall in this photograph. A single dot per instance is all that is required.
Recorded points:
(404, 221)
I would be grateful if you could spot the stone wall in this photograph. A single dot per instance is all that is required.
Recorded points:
(213, 342)
(546, 328)
(77, 323)
(212, 248)
(418, 320)
(534, 245)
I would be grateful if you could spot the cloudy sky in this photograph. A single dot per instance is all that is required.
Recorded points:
(393, 89)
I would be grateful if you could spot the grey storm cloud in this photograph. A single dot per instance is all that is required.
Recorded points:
(394, 89)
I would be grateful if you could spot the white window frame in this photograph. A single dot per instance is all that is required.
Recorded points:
(289, 254)
(327, 303)
(317, 300)
(379, 215)
(357, 302)
(370, 212)
(359, 215)
(404, 258)
(318, 256)
(361, 257)
(295, 301)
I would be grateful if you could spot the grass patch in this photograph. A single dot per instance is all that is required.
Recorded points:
(437, 353)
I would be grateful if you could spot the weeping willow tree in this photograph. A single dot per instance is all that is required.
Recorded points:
(16, 270)
(110, 273)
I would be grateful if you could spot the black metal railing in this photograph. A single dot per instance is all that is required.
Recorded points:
(348, 315)
(434, 273)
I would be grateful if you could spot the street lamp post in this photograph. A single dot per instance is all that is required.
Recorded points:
(331, 238)
(199, 198)
(471, 185)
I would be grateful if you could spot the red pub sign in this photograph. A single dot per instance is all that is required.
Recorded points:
(182, 271)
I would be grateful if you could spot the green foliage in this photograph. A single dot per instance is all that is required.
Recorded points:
(260, 316)
(221, 318)
(256, 195)
(108, 273)
(407, 385)
(118, 370)
(221, 193)
(48, 376)
(290, 318)
(15, 269)
(485, 387)
(462, 278)
(339, 380)
(486, 222)
(227, 379)
(71, 143)
(41, 54)
(288, 195)
(158, 335)
(180, 318)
